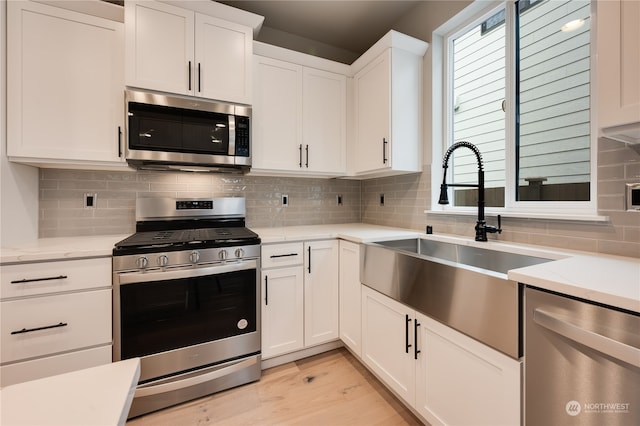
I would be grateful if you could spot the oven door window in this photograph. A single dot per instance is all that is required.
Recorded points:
(160, 316)
(162, 128)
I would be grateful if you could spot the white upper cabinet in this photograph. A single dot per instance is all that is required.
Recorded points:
(176, 50)
(224, 53)
(277, 116)
(159, 47)
(324, 116)
(65, 87)
(388, 108)
(299, 114)
(618, 72)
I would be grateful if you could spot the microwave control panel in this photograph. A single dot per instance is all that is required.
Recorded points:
(242, 136)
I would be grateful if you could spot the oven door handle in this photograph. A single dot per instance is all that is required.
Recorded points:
(178, 383)
(140, 277)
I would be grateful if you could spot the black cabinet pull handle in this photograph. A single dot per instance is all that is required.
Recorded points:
(29, 330)
(406, 334)
(275, 256)
(307, 163)
(189, 75)
(416, 351)
(384, 150)
(119, 141)
(309, 250)
(32, 280)
(300, 150)
(199, 82)
(266, 290)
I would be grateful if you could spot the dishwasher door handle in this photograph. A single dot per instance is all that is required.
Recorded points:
(600, 343)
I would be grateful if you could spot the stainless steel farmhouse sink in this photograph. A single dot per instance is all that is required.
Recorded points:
(492, 260)
(462, 286)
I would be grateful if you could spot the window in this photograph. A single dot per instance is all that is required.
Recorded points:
(517, 85)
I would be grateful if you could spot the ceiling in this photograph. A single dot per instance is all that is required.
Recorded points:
(353, 25)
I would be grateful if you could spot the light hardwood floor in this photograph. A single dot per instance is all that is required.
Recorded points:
(332, 388)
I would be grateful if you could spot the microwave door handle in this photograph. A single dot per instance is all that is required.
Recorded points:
(119, 141)
(232, 135)
(189, 272)
(598, 342)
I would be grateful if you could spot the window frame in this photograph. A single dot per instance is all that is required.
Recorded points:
(442, 119)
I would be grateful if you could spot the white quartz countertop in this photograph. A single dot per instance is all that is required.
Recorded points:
(354, 232)
(612, 280)
(45, 249)
(95, 396)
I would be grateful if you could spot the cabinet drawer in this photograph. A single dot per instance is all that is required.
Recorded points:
(30, 279)
(279, 255)
(47, 325)
(53, 365)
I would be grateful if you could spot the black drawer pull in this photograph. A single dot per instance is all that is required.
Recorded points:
(406, 334)
(29, 330)
(32, 280)
(416, 351)
(275, 256)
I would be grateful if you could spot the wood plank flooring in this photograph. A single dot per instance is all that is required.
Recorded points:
(332, 388)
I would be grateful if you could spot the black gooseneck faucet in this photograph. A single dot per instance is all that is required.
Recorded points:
(481, 226)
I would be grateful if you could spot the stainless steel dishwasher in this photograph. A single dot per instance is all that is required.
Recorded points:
(581, 362)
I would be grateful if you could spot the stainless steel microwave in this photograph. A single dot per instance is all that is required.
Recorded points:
(167, 132)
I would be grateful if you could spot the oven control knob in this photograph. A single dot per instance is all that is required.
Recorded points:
(239, 252)
(142, 262)
(223, 254)
(163, 260)
(194, 257)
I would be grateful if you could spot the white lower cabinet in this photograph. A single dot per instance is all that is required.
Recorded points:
(447, 377)
(55, 317)
(350, 296)
(282, 311)
(299, 296)
(387, 336)
(320, 292)
(460, 381)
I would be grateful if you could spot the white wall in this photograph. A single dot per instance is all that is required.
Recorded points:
(18, 183)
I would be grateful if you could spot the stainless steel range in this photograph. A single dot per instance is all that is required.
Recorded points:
(186, 299)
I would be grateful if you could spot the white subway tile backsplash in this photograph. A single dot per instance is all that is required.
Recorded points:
(62, 211)
(313, 201)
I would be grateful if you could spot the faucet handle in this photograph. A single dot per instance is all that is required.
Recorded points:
(494, 229)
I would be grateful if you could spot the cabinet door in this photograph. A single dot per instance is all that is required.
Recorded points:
(321, 292)
(373, 100)
(350, 296)
(618, 35)
(65, 84)
(282, 311)
(324, 107)
(456, 371)
(159, 47)
(387, 342)
(223, 60)
(277, 115)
